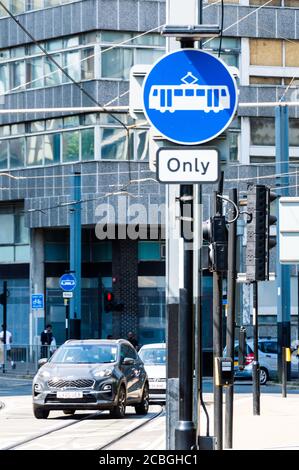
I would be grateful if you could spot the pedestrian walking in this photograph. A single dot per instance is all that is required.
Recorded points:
(131, 338)
(46, 339)
(6, 347)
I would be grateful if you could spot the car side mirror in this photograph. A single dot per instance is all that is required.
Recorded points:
(42, 362)
(128, 361)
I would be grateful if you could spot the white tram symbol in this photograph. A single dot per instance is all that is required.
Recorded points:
(189, 96)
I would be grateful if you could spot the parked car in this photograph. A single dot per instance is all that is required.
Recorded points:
(154, 359)
(267, 360)
(91, 374)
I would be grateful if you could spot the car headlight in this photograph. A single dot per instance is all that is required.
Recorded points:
(103, 373)
(37, 387)
(44, 374)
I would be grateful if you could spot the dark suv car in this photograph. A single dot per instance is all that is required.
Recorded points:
(91, 374)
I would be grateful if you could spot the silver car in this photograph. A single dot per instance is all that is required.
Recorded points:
(267, 360)
(91, 374)
(154, 359)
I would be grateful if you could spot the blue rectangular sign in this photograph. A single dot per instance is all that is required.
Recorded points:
(37, 301)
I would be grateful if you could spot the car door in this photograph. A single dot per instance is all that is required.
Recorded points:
(128, 371)
(270, 355)
(137, 376)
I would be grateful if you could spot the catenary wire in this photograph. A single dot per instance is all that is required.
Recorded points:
(239, 20)
(221, 27)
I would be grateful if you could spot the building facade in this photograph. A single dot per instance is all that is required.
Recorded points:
(97, 42)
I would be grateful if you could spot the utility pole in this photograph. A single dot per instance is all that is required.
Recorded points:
(75, 258)
(282, 270)
(255, 364)
(298, 315)
(3, 301)
(67, 319)
(177, 13)
(185, 434)
(197, 281)
(231, 313)
(217, 334)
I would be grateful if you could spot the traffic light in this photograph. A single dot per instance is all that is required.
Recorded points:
(242, 348)
(259, 240)
(270, 220)
(110, 305)
(108, 301)
(215, 255)
(257, 196)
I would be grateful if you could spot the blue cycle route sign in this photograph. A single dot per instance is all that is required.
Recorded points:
(190, 96)
(68, 282)
(37, 301)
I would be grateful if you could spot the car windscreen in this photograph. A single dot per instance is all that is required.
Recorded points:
(153, 356)
(85, 354)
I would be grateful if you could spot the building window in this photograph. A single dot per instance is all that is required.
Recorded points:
(149, 251)
(266, 52)
(71, 139)
(116, 63)
(274, 3)
(20, 6)
(27, 67)
(230, 49)
(274, 52)
(262, 132)
(265, 81)
(14, 236)
(151, 294)
(70, 146)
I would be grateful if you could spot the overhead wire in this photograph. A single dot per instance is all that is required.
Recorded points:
(221, 28)
(84, 91)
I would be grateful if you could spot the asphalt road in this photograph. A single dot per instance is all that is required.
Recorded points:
(14, 387)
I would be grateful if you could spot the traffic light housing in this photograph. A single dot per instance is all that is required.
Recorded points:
(110, 305)
(242, 348)
(3, 299)
(259, 240)
(108, 301)
(270, 220)
(214, 255)
(256, 233)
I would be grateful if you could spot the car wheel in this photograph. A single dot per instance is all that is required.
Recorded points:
(40, 413)
(119, 410)
(142, 408)
(264, 376)
(69, 412)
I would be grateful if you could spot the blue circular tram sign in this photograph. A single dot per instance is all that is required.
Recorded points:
(67, 282)
(190, 96)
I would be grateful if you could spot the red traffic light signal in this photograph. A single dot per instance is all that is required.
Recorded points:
(108, 301)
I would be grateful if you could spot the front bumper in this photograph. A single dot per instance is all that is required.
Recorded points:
(157, 391)
(92, 399)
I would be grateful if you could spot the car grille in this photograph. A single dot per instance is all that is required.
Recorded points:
(88, 398)
(77, 383)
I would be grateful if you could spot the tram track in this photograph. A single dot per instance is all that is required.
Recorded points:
(50, 431)
(131, 431)
(55, 432)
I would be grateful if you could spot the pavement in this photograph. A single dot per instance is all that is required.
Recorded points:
(276, 428)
